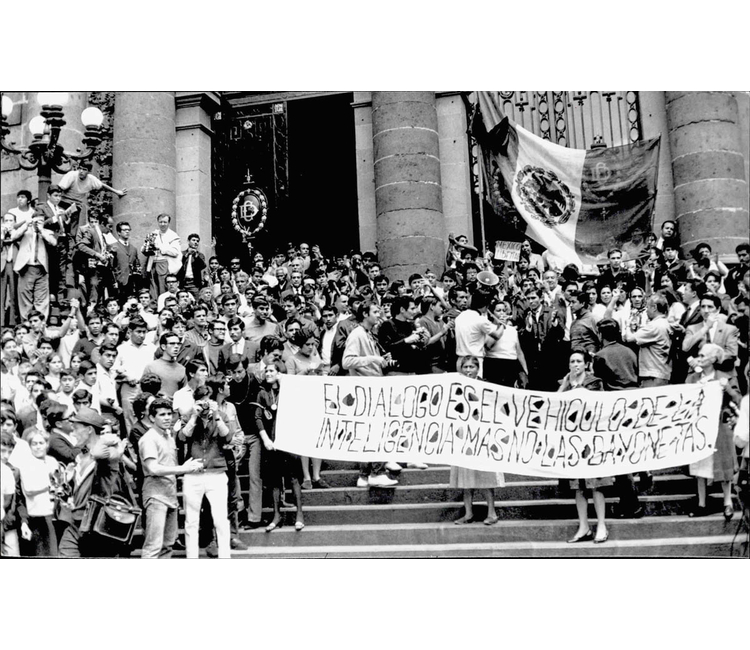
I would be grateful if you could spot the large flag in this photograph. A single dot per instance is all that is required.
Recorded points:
(577, 203)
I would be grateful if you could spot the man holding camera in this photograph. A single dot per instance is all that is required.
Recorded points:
(93, 258)
(32, 263)
(206, 433)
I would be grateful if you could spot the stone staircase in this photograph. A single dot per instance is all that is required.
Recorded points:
(415, 520)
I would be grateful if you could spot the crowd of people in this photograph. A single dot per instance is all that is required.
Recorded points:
(124, 366)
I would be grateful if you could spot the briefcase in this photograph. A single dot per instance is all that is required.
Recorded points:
(112, 517)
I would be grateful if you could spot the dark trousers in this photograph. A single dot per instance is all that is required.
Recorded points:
(73, 543)
(627, 493)
(366, 469)
(43, 542)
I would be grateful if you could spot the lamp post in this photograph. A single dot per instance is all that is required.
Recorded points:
(44, 153)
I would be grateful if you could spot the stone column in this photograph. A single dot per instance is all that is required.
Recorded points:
(195, 111)
(365, 172)
(410, 226)
(455, 165)
(143, 159)
(710, 188)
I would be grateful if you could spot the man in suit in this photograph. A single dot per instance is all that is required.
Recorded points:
(61, 273)
(92, 258)
(690, 292)
(164, 256)
(193, 271)
(713, 329)
(32, 263)
(125, 263)
(541, 340)
(238, 345)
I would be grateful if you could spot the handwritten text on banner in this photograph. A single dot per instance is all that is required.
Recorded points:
(449, 419)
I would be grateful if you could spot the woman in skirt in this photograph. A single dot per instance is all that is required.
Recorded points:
(277, 466)
(472, 479)
(581, 377)
(722, 464)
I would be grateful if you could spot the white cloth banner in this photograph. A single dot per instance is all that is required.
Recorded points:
(449, 419)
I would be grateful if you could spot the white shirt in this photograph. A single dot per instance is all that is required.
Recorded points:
(506, 347)
(472, 329)
(326, 345)
(132, 360)
(106, 386)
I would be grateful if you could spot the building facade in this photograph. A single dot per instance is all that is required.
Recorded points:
(386, 171)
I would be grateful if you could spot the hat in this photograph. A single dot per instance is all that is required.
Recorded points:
(89, 417)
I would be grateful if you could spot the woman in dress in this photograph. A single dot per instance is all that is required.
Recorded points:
(722, 464)
(278, 466)
(581, 377)
(472, 479)
(306, 361)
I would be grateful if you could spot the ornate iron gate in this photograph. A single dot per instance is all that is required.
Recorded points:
(578, 119)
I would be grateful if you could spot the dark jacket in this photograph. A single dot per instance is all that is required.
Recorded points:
(198, 261)
(15, 513)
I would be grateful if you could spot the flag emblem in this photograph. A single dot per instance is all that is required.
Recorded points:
(544, 195)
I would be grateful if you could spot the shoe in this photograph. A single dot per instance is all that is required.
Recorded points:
(381, 480)
(212, 550)
(253, 525)
(321, 484)
(464, 520)
(237, 544)
(601, 540)
(728, 512)
(273, 526)
(586, 537)
(698, 511)
(178, 545)
(307, 485)
(362, 482)
(299, 525)
(490, 521)
(393, 467)
(416, 465)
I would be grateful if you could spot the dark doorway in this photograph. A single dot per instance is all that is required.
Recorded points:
(301, 154)
(322, 205)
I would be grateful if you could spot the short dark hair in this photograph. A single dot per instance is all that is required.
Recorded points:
(193, 235)
(25, 193)
(402, 302)
(713, 298)
(744, 246)
(192, 367)
(166, 336)
(164, 214)
(54, 189)
(609, 330)
(160, 403)
(107, 347)
(236, 321)
(214, 323)
(121, 225)
(136, 323)
(150, 383)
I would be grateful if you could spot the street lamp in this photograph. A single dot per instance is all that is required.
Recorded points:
(44, 153)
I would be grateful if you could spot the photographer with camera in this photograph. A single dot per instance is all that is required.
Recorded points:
(206, 433)
(93, 259)
(32, 263)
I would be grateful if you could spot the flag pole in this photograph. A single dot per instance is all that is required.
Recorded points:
(480, 160)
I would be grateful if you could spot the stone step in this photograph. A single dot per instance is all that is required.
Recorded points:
(507, 510)
(503, 531)
(537, 489)
(700, 546)
(434, 474)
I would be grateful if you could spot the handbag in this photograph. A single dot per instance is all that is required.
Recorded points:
(113, 517)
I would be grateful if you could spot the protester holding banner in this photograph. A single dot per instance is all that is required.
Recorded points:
(278, 466)
(472, 479)
(722, 464)
(580, 377)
